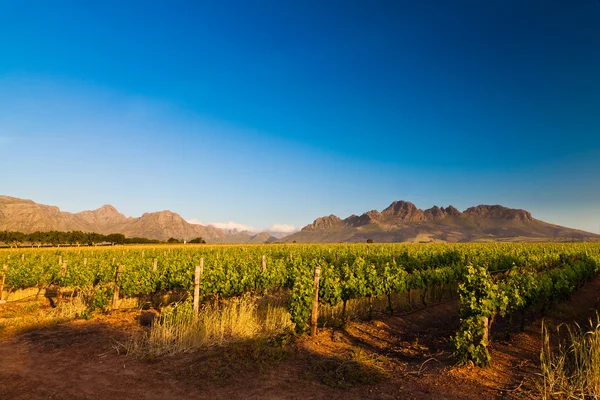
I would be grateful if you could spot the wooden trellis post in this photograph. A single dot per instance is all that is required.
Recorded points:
(4, 269)
(315, 308)
(63, 272)
(197, 289)
(115, 302)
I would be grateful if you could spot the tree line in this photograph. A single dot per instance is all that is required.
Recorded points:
(75, 238)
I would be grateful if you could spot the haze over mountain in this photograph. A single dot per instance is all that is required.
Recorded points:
(27, 216)
(403, 221)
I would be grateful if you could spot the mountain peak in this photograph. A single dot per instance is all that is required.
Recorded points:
(403, 211)
(164, 215)
(452, 211)
(435, 213)
(325, 223)
(102, 219)
(107, 210)
(499, 212)
(14, 200)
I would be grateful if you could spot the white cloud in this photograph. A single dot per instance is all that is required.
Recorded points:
(282, 228)
(231, 225)
(222, 225)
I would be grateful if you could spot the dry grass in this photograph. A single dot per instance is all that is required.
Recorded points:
(180, 330)
(29, 309)
(571, 370)
(72, 308)
(22, 294)
(24, 317)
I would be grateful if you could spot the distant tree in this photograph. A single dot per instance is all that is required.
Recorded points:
(369, 240)
(76, 237)
(53, 238)
(94, 238)
(36, 237)
(116, 238)
(198, 240)
(173, 240)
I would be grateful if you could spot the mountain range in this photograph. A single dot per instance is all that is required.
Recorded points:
(400, 222)
(27, 216)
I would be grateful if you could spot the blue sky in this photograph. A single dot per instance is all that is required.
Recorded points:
(268, 112)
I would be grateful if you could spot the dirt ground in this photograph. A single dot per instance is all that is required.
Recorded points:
(401, 357)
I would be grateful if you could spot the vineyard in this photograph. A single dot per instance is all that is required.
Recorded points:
(489, 279)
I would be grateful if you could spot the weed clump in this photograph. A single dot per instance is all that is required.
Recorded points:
(571, 369)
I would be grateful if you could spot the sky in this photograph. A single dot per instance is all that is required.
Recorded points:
(269, 114)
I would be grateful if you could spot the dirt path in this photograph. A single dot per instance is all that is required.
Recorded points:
(401, 357)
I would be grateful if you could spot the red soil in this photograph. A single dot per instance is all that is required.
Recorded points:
(400, 357)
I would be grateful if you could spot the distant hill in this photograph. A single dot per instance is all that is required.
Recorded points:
(402, 221)
(27, 216)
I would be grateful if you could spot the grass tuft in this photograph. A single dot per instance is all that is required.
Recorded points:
(180, 330)
(571, 369)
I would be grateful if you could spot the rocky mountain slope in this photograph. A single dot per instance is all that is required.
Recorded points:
(27, 216)
(403, 221)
